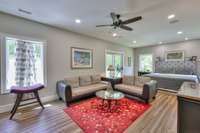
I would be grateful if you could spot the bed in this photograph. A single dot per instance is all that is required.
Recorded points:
(171, 74)
(172, 81)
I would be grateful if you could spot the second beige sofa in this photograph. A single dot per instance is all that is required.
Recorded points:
(139, 86)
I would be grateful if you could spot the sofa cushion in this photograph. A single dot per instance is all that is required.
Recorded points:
(88, 89)
(141, 80)
(96, 78)
(72, 81)
(85, 80)
(129, 88)
(128, 80)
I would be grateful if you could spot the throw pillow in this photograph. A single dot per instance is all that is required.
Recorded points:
(141, 80)
(96, 78)
(72, 81)
(128, 80)
(85, 80)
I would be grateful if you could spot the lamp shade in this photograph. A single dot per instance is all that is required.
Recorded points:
(111, 68)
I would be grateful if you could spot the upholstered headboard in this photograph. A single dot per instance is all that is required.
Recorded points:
(176, 67)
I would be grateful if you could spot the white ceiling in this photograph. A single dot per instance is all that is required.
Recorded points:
(152, 29)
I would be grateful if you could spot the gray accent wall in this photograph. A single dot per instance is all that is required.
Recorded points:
(191, 48)
(58, 50)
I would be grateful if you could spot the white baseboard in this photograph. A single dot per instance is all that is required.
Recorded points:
(8, 107)
(49, 98)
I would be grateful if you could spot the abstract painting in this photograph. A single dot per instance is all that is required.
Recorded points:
(81, 58)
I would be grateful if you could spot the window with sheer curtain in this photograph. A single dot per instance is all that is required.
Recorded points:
(146, 63)
(23, 62)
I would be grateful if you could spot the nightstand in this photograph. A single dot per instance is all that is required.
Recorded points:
(140, 73)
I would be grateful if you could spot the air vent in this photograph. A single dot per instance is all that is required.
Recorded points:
(24, 11)
(174, 21)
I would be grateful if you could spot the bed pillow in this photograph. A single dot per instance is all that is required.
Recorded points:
(167, 70)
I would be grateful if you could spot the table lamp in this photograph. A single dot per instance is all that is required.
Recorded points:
(111, 69)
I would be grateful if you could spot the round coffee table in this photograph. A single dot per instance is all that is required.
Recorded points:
(108, 97)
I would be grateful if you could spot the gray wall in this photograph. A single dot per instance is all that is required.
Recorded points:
(58, 50)
(191, 48)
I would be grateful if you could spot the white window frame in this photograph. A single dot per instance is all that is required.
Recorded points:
(3, 58)
(147, 55)
(114, 52)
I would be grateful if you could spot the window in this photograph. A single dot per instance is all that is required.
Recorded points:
(116, 60)
(146, 63)
(23, 63)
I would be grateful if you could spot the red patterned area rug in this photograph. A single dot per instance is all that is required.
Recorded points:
(94, 117)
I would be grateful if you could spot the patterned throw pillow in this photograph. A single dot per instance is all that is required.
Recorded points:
(128, 80)
(72, 81)
(85, 80)
(96, 78)
(141, 80)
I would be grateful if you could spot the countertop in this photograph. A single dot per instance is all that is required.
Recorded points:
(189, 90)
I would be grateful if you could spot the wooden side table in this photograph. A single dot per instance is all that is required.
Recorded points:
(140, 73)
(113, 81)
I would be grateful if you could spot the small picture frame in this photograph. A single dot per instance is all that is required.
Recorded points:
(194, 58)
(129, 62)
(158, 59)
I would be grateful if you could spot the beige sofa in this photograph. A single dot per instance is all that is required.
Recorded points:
(139, 86)
(74, 88)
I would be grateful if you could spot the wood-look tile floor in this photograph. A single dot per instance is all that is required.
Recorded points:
(160, 118)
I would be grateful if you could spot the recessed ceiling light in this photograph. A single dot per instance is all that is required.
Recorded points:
(160, 42)
(78, 21)
(179, 32)
(114, 34)
(134, 41)
(171, 16)
(186, 39)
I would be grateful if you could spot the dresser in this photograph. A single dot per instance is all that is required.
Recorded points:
(189, 108)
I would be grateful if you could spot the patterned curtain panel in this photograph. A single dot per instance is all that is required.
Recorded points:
(25, 63)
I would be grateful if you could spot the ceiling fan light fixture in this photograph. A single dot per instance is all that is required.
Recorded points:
(114, 34)
(171, 16)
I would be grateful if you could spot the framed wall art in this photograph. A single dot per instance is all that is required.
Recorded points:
(174, 55)
(81, 58)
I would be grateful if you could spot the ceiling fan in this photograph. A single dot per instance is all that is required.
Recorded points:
(118, 23)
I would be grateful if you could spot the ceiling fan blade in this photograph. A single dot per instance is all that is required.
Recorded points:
(126, 27)
(132, 20)
(104, 25)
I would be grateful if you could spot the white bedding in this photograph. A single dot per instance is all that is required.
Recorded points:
(174, 76)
